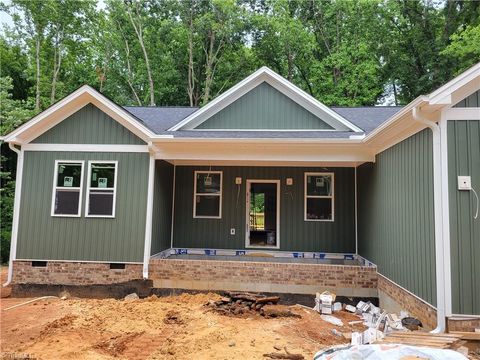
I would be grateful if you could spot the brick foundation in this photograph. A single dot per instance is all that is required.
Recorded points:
(393, 298)
(463, 324)
(295, 278)
(73, 273)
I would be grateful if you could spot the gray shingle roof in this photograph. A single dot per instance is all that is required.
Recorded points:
(160, 119)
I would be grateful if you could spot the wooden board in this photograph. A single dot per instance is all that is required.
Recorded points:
(467, 335)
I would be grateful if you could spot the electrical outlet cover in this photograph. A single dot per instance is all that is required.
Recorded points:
(464, 183)
(232, 231)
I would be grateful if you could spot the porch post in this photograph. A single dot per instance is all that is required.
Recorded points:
(149, 215)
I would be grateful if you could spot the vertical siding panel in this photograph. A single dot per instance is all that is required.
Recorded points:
(396, 214)
(89, 125)
(470, 101)
(42, 236)
(264, 107)
(464, 159)
(295, 233)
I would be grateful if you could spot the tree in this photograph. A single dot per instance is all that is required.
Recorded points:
(464, 49)
(13, 113)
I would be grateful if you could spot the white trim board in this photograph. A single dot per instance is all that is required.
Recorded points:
(264, 74)
(79, 189)
(195, 194)
(247, 213)
(86, 148)
(306, 196)
(472, 113)
(115, 186)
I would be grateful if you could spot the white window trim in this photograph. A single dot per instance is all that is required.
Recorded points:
(247, 213)
(55, 187)
(332, 197)
(87, 200)
(195, 216)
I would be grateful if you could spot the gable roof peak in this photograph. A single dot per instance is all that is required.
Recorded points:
(265, 74)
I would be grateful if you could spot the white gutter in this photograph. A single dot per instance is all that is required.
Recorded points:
(149, 216)
(16, 212)
(438, 216)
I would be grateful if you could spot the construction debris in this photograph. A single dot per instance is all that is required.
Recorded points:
(332, 320)
(387, 352)
(286, 355)
(238, 303)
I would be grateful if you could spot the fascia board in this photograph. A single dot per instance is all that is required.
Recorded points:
(443, 94)
(69, 105)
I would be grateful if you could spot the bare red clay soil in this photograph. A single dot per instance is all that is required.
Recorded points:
(176, 327)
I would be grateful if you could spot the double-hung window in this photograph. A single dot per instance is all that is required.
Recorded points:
(101, 189)
(207, 196)
(67, 188)
(319, 197)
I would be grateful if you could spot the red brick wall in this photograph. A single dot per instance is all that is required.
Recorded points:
(463, 324)
(268, 273)
(73, 273)
(417, 308)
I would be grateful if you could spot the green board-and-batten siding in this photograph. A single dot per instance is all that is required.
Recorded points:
(162, 207)
(470, 101)
(295, 233)
(43, 237)
(464, 159)
(264, 107)
(396, 214)
(89, 125)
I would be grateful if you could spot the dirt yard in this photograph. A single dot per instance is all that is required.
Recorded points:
(177, 327)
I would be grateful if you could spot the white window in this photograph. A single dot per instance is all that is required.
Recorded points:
(319, 197)
(207, 195)
(101, 189)
(67, 188)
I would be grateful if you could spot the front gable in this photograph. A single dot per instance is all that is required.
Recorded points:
(89, 125)
(264, 108)
(265, 101)
(90, 117)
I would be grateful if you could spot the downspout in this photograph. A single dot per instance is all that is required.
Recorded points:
(16, 212)
(438, 216)
(149, 215)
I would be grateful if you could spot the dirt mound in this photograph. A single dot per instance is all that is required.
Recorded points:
(62, 323)
(173, 317)
(117, 345)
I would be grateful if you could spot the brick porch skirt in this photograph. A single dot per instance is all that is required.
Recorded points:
(275, 277)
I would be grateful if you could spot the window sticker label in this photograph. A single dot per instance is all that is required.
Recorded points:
(207, 181)
(102, 182)
(68, 181)
(319, 182)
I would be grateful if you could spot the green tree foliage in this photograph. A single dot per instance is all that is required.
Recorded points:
(171, 52)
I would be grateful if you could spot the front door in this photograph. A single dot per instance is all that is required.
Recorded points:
(263, 214)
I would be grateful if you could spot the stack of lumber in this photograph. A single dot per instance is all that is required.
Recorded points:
(419, 338)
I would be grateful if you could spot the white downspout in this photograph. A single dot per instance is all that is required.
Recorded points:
(438, 216)
(16, 212)
(149, 217)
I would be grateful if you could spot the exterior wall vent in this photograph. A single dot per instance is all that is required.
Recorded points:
(117, 266)
(39, 264)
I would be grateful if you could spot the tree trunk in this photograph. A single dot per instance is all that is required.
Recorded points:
(191, 72)
(139, 31)
(57, 62)
(130, 74)
(37, 62)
